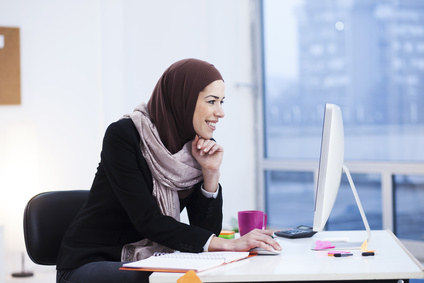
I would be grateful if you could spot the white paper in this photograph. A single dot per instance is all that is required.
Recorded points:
(181, 261)
(1, 41)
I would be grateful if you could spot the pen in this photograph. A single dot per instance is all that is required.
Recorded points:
(332, 253)
(367, 253)
(342, 255)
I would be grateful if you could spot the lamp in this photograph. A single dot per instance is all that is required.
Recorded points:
(22, 273)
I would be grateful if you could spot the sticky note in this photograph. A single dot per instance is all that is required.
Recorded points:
(226, 234)
(189, 277)
(323, 245)
(364, 247)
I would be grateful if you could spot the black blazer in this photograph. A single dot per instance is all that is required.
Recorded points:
(121, 208)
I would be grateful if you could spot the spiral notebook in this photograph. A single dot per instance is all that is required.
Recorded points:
(183, 262)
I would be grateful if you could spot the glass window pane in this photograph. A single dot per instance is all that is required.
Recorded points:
(290, 199)
(345, 214)
(409, 207)
(366, 56)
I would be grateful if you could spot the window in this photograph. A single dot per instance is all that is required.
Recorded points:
(345, 214)
(282, 188)
(409, 209)
(367, 57)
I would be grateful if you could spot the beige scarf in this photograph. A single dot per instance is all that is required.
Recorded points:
(171, 174)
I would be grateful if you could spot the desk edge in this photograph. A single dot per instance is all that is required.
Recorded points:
(411, 256)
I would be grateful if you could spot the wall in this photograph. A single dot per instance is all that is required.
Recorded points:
(84, 63)
(2, 257)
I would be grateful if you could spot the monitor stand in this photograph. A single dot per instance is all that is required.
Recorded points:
(354, 245)
(345, 243)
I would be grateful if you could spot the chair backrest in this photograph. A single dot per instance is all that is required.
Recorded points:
(46, 218)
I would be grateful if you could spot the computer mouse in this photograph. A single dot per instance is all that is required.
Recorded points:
(262, 251)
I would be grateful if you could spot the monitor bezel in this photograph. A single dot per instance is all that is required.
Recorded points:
(330, 165)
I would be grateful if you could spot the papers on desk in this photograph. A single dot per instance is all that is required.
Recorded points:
(183, 262)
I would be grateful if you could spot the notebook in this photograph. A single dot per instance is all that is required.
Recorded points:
(183, 262)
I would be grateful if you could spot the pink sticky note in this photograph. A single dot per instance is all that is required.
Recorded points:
(323, 245)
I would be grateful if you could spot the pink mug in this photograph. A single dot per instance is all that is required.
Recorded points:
(251, 219)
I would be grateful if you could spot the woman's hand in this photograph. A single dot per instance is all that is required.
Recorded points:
(209, 154)
(254, 239)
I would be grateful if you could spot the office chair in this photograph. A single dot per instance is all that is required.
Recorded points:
(46, 218)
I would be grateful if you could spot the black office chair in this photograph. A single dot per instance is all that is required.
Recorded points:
(46, 218)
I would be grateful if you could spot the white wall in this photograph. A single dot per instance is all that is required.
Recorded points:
(85, 63)
(2, 257)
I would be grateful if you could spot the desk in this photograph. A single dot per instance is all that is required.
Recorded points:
(298, 262)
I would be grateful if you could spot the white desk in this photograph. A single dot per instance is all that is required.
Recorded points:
(298, 262)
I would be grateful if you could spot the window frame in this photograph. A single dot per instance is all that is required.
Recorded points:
(386, 170)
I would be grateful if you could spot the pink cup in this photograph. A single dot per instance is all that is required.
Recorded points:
(251, 219)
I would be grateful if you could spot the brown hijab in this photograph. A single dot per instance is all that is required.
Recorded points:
(171, 106)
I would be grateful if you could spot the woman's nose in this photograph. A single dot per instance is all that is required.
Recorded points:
(220, 112)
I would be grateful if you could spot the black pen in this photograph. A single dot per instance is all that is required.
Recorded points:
(367, 253)
(342, 255)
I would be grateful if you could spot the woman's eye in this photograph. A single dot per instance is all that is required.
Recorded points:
(213, 102)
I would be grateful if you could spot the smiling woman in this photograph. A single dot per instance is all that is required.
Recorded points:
(149, 171)
(155, 162)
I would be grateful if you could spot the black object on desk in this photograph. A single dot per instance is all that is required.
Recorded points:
(301, 231)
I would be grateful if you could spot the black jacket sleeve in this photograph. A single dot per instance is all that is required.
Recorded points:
(121, 208)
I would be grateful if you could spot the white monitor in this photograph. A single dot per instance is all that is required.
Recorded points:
(331, 166)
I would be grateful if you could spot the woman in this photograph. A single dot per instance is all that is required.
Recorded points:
(154, 162)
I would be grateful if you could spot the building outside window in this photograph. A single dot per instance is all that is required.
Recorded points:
(367, 56)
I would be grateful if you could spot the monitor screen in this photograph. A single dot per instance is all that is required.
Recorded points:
(330, 165)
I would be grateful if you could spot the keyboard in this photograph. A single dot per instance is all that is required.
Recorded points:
(294, 233)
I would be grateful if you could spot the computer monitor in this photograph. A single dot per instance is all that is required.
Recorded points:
(331, 167)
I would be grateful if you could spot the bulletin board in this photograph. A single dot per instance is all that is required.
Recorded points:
(10, 66)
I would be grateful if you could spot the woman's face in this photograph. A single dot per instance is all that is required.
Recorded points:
(208, 109)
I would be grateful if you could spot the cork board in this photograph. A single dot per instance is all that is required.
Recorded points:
(10, 66)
